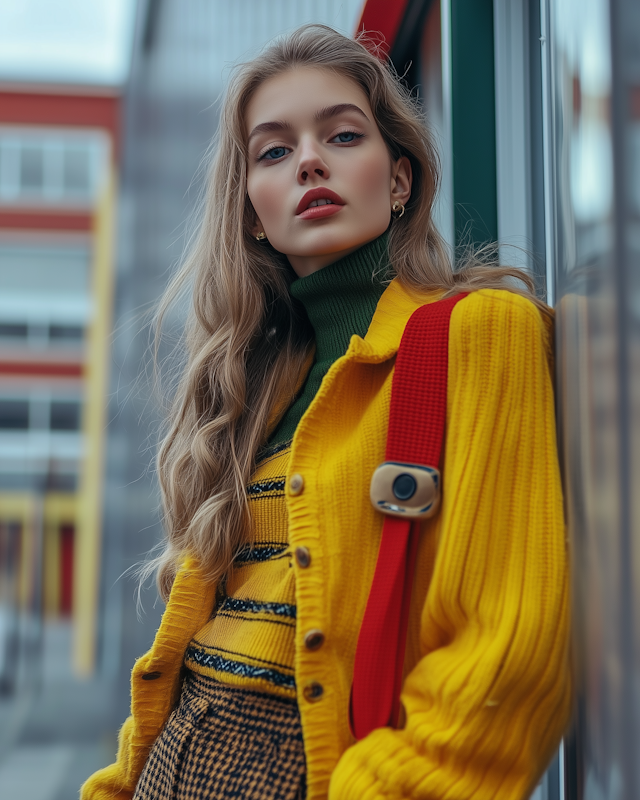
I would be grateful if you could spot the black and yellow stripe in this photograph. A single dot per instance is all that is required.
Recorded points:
(250, 639)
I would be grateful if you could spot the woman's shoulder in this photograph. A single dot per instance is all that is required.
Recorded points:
(499, 303)
(499, 315)
(495, 333)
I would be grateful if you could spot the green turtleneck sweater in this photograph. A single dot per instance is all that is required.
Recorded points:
(340, 301)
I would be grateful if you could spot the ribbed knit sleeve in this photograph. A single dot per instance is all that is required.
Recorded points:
(489, 700)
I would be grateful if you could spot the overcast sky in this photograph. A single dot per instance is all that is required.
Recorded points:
(69, 41)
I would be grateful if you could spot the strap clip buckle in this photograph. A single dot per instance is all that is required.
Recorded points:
(405, 490)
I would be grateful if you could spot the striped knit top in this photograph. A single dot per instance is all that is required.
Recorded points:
(249, 641)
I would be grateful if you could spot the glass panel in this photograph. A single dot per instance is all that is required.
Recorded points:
(57, 166)
(65, 333)
(436, 102)
(10, 547)
(32, 168)
(13, 330)
(65, 415)
(76, 173)
(14, 415)
(52, 270)
(592, 159)
(582, 142)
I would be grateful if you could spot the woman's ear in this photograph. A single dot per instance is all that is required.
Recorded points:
(257, 226)
(401, 178)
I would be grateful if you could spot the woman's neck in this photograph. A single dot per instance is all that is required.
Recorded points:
(340, 301)
(340, 298)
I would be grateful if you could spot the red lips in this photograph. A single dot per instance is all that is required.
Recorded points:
(319, 193)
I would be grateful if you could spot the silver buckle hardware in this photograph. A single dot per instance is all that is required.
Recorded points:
(405, 490)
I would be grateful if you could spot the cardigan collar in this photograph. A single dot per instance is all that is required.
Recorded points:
(392, 313)
(381, 342)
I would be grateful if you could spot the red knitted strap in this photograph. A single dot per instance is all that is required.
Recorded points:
(416, 429)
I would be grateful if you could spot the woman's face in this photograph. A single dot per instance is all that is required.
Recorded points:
(320, 177)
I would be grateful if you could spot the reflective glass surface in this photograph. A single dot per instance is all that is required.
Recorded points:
(592, 78)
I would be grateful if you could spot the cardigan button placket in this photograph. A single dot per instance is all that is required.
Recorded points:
(314, 639)
(313, 691)
(296, 484)
(303, 557)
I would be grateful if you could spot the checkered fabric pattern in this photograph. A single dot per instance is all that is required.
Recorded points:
(225, 742)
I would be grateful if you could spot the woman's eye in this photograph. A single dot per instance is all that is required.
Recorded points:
(274, 153)
(346, 137)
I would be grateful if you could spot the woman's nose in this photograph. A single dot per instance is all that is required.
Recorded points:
(311, 162)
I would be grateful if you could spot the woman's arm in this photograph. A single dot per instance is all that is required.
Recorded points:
(115, 782)
(487, 704)
(155, 684)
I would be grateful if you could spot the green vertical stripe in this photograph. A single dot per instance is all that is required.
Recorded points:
(473, 121)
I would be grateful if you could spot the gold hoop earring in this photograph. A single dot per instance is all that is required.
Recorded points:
(261, 236)
(398, 209)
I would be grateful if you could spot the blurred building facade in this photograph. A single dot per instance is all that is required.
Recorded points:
(58, 161)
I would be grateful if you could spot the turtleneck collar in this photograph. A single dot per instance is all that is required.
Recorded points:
(341, 298)
(340, 301)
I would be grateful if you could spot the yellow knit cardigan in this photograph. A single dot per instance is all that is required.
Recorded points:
(486, 690)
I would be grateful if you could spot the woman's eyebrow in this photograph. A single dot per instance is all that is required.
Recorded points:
(269, 127)
(319, 116)
(340, 108)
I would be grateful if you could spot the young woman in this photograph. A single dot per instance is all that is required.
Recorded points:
(316, 246)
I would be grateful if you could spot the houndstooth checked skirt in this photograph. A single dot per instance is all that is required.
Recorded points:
(226, 742)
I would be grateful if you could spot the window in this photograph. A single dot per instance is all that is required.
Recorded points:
(14, 415)
(32, 169)
(65, 415)
(76, 175)
(42, 334)
(51, 167)
(13, 330)
(65, 333)
(43, 276)
(39, 413)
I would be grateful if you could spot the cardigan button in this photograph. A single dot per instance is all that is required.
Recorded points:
(314, 639)
(303, 557)
(151, 676)
(296, 484)
(313, 691)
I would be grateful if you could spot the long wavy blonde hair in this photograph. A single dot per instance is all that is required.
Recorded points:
(246, 340)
